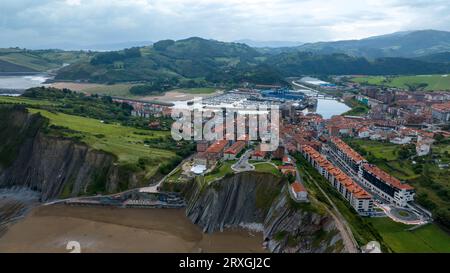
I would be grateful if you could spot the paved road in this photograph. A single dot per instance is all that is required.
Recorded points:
(155, 187)
(242, 165)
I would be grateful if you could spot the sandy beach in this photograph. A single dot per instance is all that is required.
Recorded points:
(50, 228)
(121, 90)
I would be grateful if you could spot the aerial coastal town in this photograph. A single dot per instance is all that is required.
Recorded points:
(394, 116)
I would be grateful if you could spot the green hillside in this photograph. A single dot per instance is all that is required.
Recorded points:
(419, 82)
(196, 62)
(108, 126)
(188, 63)
(408, 44)
(22, 60)
(427, 239)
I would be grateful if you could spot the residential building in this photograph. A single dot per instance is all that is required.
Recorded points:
(215, 151)
(401, 140)
(345, 153)
(441, 112)
(288, 170)
(385, 185)
(370, 176)
(358, 198)
(258, 154)
(234, 150)
(299, 192)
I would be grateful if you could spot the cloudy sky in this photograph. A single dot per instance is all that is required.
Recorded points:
(34, 23)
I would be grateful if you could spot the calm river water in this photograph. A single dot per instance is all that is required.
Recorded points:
(23, 81)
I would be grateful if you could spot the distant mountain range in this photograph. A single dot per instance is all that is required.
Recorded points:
(197, 62)
(269, 44)
(94, 47)
(409, 44)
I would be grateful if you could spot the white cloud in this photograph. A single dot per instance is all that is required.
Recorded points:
(73, 2)
(99, 21)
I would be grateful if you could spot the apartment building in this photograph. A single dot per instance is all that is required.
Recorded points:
(358, 198)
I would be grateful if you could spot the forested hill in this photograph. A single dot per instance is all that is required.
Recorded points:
(306, 63)
(407, 44)
(23, 60)
(196, 62)
(192, 61)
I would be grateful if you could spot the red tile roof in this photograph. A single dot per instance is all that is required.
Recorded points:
(386, 178)
(298, 187)
(443, 107)
(351, 186)
(235, 148)
(347, 149)
(258, 152)
(217, 146)
(287, 160)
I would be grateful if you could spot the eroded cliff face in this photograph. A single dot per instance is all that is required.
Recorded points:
(53, 166)
(256, 199)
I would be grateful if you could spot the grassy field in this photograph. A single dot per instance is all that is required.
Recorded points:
(25, 101)
(429, 238)
(125, 142)
(123, 89)
(223, 169)
(115, 90)
(28, 60)
(358, 109)
(379, 149)
(433, 82)
(266, 168)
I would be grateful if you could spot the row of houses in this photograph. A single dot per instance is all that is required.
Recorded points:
(370, 176)
(358, 198)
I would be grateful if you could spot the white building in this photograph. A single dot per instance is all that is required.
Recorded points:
(364, 132)
(299, 192)
(401, 140)
(422, 148)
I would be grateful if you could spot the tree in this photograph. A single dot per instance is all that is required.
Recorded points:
(163, 45)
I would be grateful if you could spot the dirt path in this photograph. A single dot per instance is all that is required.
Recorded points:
(347, 236)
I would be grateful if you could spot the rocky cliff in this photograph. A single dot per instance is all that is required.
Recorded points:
(53, 166)
(261, 200)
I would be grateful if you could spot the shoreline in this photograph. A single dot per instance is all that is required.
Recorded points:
(50, 228)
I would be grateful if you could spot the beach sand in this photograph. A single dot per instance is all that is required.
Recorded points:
(98, 229)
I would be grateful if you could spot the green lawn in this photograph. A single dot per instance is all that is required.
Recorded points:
(126, 143)
(266, 168)
(373, 80)
(175, 176)
(29, 60)
(123, 90)
(223, 169)
(429, 238)
(25, 101)
(379, 149)
(358, 108)
(433, 82)
(115, 90)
